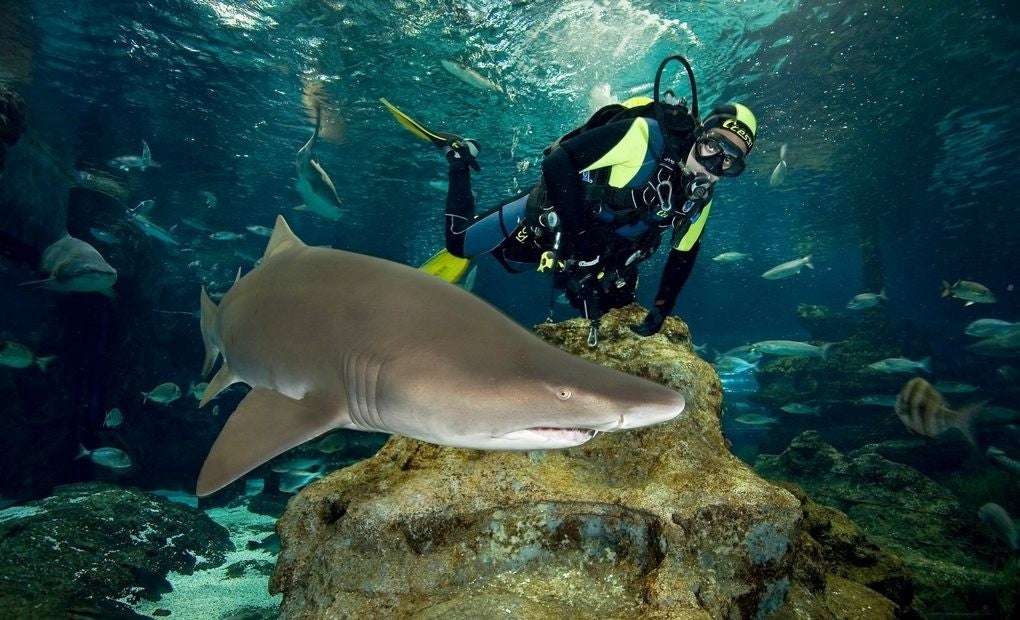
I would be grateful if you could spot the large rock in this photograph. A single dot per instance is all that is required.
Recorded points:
(87, 545)
(658, 522)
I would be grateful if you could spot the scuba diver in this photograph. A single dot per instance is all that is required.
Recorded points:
(609, 191)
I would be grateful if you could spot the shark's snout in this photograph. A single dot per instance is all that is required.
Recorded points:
(652, 413)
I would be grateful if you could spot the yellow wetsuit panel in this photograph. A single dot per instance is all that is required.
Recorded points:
(627, 157)
(694, 232)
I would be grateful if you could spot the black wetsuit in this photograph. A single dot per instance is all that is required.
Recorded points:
(615, 190)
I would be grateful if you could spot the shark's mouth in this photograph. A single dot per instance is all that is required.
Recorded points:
(566, 435)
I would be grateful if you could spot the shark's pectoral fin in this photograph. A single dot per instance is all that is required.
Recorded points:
(265, 424)
(44, 283)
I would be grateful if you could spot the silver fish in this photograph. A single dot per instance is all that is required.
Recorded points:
(801, 409)
(730, 257)
(164, 393)
(986, 328)
(113, 418)
(792, 348)
(901, 364)
(262, 231)
(152, 229)
(313, 183)
(779, 174)
(469, 76)
(224, 235)
(16, 355)
(135, 162)
(729, 365)
(789, 268)
(104, 236)
(1003, 345)
(969, 292)
(756, 419)
(1000, 523)
(866, 300)
(111, 458)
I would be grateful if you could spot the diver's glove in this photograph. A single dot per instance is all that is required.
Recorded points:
(652, 323)
(462, 153)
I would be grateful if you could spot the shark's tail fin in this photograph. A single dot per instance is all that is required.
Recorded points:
(208, 318)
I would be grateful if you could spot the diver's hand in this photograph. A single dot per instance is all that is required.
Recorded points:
(463, 152)
(651, 325)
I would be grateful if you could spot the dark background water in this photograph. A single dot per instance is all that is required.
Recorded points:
(899, 116)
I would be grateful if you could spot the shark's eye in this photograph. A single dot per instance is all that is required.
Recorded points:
(563, 393)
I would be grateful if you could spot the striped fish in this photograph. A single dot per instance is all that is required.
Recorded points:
(923, 410)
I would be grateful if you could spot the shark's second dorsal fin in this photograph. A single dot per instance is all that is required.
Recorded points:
(283, 239)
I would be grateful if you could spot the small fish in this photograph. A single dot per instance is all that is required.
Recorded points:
(262, 231)
(332, 442)
(269, 544)
(878, 400)
(104, 236)
(779, 174)
(469, 76)
(294, 481)
(151, 229)
(789, 268)
(111, 458)
(745, 352)
(313, 183)
(730, 257)
(224, 235)
(999, 457)
(955, 387)
(208, 198)
(1003, 345)
(1000, 523)
(142, 208)
(197, 390)
(298, 463)
(801, 409)
(986, 328)
(970, 292)
(17, 355)
(866, 300)
(756, 419)
(901, 364)
(113, 418)
(729, 365)
(792, 348)
(129, 162)
(164, 393)
(923, 410)
(75, 266)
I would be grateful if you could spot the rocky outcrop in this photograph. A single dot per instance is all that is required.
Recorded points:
(87, 545)
(661, 522)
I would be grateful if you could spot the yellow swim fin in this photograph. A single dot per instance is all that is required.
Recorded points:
(447, 266)
(437, 138)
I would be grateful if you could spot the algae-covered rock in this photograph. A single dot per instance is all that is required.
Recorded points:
(90, 543)
(907, 513)
(661, 522)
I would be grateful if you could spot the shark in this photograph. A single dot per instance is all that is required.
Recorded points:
(332, 339)
(74, 265)
(316, 188)
(128, 162)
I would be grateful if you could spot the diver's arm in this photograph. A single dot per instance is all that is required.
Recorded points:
(679, 265)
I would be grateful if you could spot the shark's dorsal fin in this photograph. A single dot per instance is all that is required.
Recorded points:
(283, 239)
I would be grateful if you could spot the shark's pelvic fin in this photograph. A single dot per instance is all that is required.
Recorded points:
(208, 319)
(223, 379)
(265, 424)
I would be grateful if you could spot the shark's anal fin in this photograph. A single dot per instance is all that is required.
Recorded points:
(265, 424)
(208, 319)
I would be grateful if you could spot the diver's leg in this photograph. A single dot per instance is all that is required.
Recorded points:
(460, 207)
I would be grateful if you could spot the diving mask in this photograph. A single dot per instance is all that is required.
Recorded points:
(719, 156)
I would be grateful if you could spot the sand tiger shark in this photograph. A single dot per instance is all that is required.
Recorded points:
(74, 265)
(331, 339)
